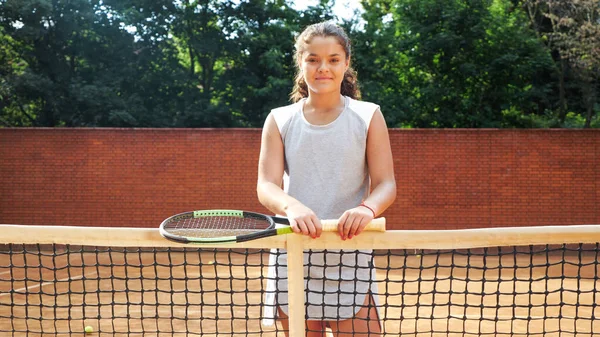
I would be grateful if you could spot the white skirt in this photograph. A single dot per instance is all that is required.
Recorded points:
(336, 282)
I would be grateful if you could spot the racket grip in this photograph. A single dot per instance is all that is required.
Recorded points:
(376, 225)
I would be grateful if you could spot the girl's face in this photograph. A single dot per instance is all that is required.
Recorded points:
(323, 64)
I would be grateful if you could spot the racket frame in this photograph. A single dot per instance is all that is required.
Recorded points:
(271, 230)
(377, 224)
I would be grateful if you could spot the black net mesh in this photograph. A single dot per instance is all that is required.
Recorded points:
(58, 290)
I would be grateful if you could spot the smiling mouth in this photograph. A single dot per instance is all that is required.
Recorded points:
(323, 78)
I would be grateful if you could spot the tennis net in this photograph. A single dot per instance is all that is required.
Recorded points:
(56, 281)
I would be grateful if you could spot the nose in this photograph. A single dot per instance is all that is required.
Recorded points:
(322, 67)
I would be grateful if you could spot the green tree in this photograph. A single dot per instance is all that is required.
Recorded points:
(381, 62)
(53, 39)
(571, 31)
(463, 63)
(260, 77)
(227, 63)
(12, 113)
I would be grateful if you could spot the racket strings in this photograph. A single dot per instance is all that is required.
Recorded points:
(217, 226)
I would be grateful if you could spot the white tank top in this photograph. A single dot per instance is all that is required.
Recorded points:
(325, 165)
(325, 169)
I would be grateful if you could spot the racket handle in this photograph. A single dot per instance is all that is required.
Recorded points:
(376, 225)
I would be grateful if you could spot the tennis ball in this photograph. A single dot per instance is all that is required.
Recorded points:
(89, 329)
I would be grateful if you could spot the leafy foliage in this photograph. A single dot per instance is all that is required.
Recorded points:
(572, 30)
(227, 63)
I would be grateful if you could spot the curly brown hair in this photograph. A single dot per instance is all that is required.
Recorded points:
(323, 29)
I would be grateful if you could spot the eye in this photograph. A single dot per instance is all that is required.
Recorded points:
(335, 60)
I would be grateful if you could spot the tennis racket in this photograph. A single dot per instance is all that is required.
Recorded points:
(213, 226)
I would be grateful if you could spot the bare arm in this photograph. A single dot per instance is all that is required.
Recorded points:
(383, 182)
(270, 182)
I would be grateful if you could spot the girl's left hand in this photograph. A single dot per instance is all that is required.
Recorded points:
(354, 221)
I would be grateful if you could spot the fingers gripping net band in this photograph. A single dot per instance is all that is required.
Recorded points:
(158, 288)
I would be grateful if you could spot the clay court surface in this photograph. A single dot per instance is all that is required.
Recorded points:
(214, 292)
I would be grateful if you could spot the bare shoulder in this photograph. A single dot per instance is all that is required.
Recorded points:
(378, 123)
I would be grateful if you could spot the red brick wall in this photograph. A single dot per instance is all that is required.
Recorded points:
(446, 178)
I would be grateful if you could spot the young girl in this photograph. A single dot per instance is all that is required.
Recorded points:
(327, 156)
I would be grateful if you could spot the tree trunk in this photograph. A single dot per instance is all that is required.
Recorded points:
(589, 97)
(562, 92)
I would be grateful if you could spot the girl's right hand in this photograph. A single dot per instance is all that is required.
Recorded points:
(304, 220)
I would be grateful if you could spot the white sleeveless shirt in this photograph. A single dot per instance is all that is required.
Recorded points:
(326, 170)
